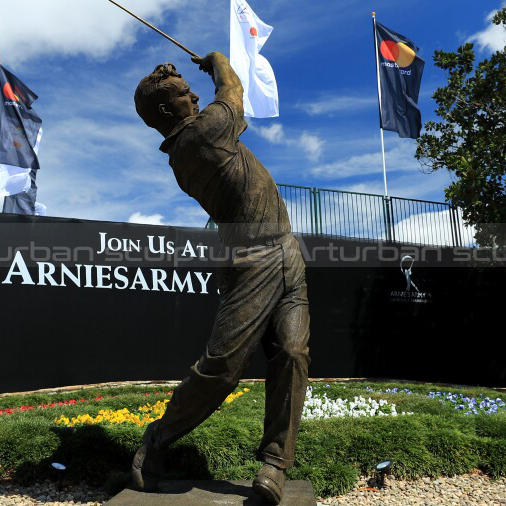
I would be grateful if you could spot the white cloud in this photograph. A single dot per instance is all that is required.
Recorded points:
(413, 185)
(182, 216)
(153, 219)
(101, 167)
(401, 157)
(330, 104)
(492, 38)
(434, 228)
(274, 133)
(94, 28)
(311, 144)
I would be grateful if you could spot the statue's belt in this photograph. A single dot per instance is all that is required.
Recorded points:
(270, 241)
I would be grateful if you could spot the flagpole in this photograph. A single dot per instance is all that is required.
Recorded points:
(379, 100)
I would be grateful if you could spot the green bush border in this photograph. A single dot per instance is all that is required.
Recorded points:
(437, 440)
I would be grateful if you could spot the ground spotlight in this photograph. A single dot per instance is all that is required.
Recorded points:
(60, 471)
(383, 468)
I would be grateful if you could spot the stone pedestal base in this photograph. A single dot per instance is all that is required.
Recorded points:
(204, 493)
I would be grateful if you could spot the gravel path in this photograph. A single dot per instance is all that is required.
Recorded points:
(47, 493)
(474, 489)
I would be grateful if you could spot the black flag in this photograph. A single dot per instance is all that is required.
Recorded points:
(400, 74)
(20, 133)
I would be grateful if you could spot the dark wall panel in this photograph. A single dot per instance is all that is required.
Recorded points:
(362, 321)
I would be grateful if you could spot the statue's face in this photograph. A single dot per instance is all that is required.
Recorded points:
(182, 102)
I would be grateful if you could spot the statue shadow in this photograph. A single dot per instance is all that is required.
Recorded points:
(242, 493)
(103, 459)
(86, 452)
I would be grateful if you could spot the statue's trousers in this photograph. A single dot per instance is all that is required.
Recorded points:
(263, 300)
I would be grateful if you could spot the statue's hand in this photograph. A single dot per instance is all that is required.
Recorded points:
(227, 84)
(205, 64)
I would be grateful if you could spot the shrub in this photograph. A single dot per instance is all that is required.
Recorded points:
(436, 440)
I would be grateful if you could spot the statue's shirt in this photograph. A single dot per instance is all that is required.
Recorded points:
(224, 176)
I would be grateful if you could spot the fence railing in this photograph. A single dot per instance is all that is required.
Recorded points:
(365, 216)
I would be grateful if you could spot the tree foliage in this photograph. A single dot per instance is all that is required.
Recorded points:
(470, 141)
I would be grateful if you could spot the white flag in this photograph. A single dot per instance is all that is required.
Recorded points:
(248, 34)
(14, 180)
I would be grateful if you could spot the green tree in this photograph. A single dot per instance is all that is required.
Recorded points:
(470, 141)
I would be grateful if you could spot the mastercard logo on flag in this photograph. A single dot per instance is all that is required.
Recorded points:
(397, 52)
(9, 93)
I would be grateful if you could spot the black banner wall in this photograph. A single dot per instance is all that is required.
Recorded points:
(86, 302)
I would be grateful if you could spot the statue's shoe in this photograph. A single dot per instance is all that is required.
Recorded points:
(147, 468)
(269, 483)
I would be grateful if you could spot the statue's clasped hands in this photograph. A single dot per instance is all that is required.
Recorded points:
(205, 64)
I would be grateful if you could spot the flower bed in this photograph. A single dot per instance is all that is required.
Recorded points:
(59, 404)
(320, 407)
(470, 405)
(342, 435)
(145, 414)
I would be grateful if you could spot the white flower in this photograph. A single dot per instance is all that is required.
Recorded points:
(321, 407)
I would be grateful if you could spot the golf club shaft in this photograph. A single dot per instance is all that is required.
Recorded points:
(155, 29)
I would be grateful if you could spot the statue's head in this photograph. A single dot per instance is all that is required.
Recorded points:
(163, 99)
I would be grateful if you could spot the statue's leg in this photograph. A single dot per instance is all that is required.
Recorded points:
(286, 347)
(250, 289)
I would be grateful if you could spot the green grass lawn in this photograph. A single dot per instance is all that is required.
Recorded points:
(437, 439)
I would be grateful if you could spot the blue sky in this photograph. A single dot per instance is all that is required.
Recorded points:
(99, 161)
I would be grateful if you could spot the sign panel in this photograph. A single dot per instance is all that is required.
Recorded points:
(87, 302)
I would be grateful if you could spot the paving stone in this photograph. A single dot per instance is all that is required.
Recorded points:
(222, 493)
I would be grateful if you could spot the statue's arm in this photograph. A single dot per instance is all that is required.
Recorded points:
(227, 83)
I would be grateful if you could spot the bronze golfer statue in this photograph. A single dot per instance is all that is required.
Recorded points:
(263, 293)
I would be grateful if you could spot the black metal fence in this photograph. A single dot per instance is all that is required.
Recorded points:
(338, 213)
